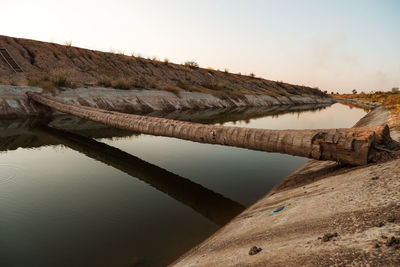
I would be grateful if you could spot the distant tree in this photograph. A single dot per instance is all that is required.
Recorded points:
(332, 93)
(252, 75)
(325, 91)
(395, 90)
(354, 91)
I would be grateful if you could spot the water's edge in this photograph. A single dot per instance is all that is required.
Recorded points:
(254, 226)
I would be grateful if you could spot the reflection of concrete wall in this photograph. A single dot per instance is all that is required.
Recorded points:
(212, 205)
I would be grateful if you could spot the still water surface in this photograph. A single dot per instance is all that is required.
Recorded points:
(75, 193)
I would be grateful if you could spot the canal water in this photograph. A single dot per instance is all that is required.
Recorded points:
(76, 193)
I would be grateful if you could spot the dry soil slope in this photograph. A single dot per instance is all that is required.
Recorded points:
(86, 67)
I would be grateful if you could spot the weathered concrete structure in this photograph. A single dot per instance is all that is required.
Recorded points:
(336, 215)
(14, 102)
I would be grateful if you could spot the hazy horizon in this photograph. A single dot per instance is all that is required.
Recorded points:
(334, 45)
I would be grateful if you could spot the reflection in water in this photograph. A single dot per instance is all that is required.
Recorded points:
(64, 207)
(213, 206)
(17, 133)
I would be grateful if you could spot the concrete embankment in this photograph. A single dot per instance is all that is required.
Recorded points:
(331, 215)
(14, 102)
(359, 102)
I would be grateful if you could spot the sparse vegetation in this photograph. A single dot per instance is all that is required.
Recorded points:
(49, 81)
(252, 75)
(105, 81)
(112, 70)
(123, 84)
(390, 99)
(191, 64)
(172, 89)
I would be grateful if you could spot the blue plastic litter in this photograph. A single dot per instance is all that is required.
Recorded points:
(275, 211)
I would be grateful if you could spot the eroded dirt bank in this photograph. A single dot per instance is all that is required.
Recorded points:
(14, 102)
(49, 65)
(335, 215)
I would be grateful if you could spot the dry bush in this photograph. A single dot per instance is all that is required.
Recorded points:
(50, 80)
(61, 79)
(140, 82)
(173, 89)
(183, 85)
(123, 84)
(192, 64)
(252, 75)
(226, 70)
(105, 81)
(68, 43)
(166, 61)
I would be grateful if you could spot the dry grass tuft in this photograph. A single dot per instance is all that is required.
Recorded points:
(48, 81)
(123, 84)
(173, 89)
(105, 81)
(192, 64)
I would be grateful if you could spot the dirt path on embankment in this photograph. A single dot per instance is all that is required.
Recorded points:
(335, 215)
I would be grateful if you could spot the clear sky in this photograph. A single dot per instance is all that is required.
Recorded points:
(335, 45)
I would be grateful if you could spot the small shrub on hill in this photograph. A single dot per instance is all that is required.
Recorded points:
(172, 89)
(191, 64)
(50, 80)
(123, 84)
(105, 81)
